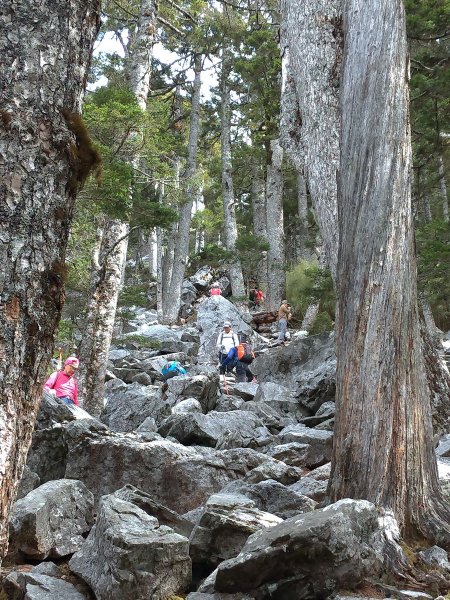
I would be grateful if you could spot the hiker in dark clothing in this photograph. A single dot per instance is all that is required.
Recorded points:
(241, 357)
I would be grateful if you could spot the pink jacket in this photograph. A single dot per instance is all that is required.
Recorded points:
(63, 385)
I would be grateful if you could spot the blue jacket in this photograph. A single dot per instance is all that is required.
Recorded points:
(231, 357)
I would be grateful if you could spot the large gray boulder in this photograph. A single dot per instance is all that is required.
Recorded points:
(207, 430)
(280, 398)
(272, 497)
(210, 318)
(176, 476)
(135, 558)
(29, 481)
(51, 520)
(37, 586)
(202, 384)
(311, 555)
(128, 406)
(320, 443)
(306, 366)
(226, 523)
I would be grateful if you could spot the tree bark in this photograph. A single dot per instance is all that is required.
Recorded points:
(97, 336)
(276, 277)
(383, 447)
(311, 45)
(181, 249)
(230, 226)
(45, 156)
(259, 218)
(443, 188)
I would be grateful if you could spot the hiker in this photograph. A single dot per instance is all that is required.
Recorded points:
(259, 297)
(62, 384)
(241, 357)
(284, 315)
(215, 290)
(227, 339)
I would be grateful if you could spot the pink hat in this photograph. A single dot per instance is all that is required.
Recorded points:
(73, 361)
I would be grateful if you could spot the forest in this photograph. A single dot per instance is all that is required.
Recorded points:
(161, 163)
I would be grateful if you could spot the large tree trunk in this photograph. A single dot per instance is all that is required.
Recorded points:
(383, 446)
(45, 155)
(97, 336)
(181, 247)
(443, 188)
(276, 277)
(105, 292)
(310, 40)
(230, 225)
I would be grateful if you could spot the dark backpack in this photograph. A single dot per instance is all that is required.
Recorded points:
(245, 353)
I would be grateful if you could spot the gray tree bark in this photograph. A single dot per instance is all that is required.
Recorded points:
(181, 246)
(230, 233)
(276, 277)
(383, 446)
(311, 46)
(107, 264)
(45, 156)
(443, 188)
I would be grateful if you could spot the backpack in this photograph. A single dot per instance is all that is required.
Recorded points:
(172, 369)
(245, 353)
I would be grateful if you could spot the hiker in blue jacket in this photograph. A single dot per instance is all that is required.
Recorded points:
(239, 356)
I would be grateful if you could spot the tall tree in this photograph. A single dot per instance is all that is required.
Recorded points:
(45, 156)
(383, 448)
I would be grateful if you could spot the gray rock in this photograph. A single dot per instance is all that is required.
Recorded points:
(172, 346)
(435, 557)
(160, 333)
(311, 488)
(37, 586)
(320, 443)
(208, 430)
(293, 454)
(47, 568)
(214, 596)
(210, 318)
(202, 278)
(270, 415)
(147, 426)
(273, 469)
(128, 407)
(176, 476)
(142, 378)
(272, 497)
(204, 387)
(28, 482)
(311, 555)
(145, 502)
(280, 399)
(227, 403)
(190, 334)
(246, 391)
(223, 528)
(51, 519)
(135, 558)
(306, 366)
(190, 405)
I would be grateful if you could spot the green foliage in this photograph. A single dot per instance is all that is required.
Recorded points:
(250, 248)
(134, 295)
(211, 255)
(306, 284)
(65, 336)
(433, 244)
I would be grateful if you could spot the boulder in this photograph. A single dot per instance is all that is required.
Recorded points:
(320, 443)
(246, 391)
(202, 278)
(37, 586)
(29, 482)
(176, 476)
(293, 454)
(269, 414)
(210, 318)
(172, 346)
(272, 497)
(325, 413)
(274, 469)
(128, 406)
(204, 387)
(305, 366)
(135, 558)
(223, 528)
(226, 403)
(190, 405)
(156, 332)
(208, 430)
(51, 520)
(311, 555)
(281, 399)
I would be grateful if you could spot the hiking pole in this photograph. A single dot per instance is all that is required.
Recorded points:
(225, 384)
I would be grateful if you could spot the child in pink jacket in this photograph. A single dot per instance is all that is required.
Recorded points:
(63, 384)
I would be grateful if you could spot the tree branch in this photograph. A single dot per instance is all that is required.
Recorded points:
(170, 26)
